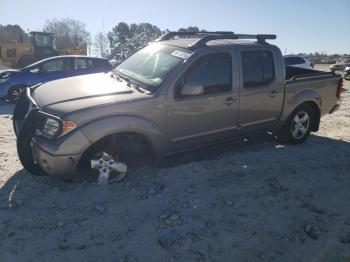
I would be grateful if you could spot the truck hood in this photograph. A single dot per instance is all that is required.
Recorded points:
(69, 94)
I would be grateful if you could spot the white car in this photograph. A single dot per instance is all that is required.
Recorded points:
(298, 61)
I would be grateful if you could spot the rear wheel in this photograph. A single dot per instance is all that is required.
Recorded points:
(298, 126)
(15, 92)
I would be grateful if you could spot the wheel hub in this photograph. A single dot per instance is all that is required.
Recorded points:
(300, 124)
(107, 165)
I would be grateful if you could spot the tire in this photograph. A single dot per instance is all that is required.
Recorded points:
(24, 151)
(294, 131)
(134, 150)
(15, 92)
(347, 77)
(128, 148)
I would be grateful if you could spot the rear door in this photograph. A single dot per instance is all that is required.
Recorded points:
(261, 90)
(83, 65)
(209, 116)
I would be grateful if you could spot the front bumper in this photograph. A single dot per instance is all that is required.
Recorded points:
(4, 89)
(63, 166)
(58, 157)
(334, 108)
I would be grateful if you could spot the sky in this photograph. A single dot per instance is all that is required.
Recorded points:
(300, 25)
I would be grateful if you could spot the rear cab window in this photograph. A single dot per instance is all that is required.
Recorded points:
(258, 68)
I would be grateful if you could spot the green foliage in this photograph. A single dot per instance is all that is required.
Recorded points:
(123, 32)
(12, 33)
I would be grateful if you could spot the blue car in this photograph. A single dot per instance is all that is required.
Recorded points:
(13, 82)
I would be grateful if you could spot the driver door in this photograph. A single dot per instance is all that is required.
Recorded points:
(212, 115)
(53, 69)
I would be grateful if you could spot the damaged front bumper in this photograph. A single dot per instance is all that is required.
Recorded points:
(58, 157)
(63, 166)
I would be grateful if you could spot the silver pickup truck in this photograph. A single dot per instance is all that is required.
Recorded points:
(183, 91)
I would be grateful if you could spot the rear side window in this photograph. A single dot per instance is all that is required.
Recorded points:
(213, 72)
(101, 63)
(258, 68)
(82, 63)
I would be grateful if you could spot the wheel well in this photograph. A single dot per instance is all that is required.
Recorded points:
(112, 140)
(317, 115)
(17, 85)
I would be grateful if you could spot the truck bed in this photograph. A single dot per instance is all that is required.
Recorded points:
(317, 84)
(294, 73)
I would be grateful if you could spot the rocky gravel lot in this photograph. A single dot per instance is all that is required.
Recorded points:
(252, 200)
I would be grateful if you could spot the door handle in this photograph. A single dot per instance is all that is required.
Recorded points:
(230, 100)
(273, 93)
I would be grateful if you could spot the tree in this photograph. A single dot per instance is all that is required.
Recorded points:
(69, 33)
(189, 29)
(119, 34)
(138, 34)
(12, 33)
(101, 44)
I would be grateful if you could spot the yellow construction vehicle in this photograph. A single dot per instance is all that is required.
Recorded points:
(41, 45)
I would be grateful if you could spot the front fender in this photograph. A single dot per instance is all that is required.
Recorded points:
(102, 127)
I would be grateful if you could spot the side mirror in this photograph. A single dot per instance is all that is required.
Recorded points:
(192, 89)
(35, 70)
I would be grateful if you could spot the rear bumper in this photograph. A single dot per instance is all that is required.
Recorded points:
(63, 166)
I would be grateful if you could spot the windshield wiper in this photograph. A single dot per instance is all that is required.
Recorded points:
(131, 83)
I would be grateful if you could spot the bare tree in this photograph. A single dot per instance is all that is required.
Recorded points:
(101, 44)
(69, 33)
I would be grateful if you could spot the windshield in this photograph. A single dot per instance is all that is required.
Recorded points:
(151, 65)
(43, 40)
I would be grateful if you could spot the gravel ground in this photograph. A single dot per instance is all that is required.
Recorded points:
(253, 200)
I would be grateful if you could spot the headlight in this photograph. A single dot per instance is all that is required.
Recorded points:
(3, 80)
(53, 128)
(347, 68)
(49, 129)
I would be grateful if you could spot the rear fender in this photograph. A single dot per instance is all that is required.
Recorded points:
(304, 96)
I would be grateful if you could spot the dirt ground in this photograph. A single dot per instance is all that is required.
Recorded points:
(254, 200)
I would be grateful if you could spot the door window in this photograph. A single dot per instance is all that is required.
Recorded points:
(213, 72)
(258, 68)
(82, 63)
(53, 66)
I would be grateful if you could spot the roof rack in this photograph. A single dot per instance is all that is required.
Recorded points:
(209, 36)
